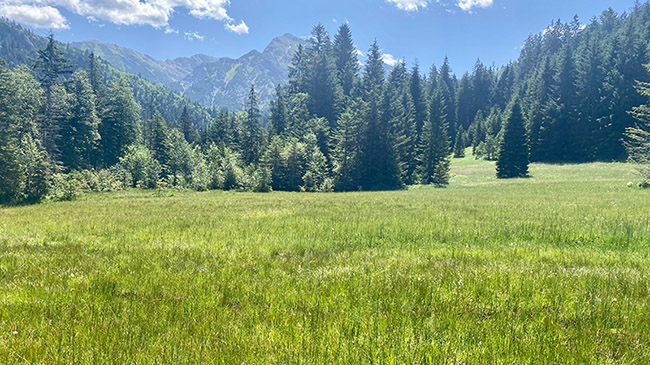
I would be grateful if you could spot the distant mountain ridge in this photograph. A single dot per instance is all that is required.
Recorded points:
(211, 81)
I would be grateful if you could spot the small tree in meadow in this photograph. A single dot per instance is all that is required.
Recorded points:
(514, 151)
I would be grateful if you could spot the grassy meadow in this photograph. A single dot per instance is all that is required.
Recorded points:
(550, 269)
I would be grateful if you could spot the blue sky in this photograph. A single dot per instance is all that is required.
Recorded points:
(427, 30)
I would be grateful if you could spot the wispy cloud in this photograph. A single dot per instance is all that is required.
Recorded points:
(241, 28)
(193, 35)
(467, 5)
(389, 59)
(409, 5)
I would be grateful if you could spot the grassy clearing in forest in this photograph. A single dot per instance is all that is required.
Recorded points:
(553, 268)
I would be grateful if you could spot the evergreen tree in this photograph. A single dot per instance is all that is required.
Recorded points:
(346, 151)
(279, 111)
(434, 144)
(514, 153)
(322, 84)
(24, 169)
(49, 67)
(459, 144)
(379, 170)
(119, 129)
(188, 128)
(251, 136)
(80, 135)
(345, 56)
(419, 97)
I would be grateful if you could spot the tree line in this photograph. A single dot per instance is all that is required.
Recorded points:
(338, 125)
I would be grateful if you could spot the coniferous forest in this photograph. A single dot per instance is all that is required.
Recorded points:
(338, 125)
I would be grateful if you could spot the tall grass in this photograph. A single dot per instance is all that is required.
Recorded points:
(551, 269)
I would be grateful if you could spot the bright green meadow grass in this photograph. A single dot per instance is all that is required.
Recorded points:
(550, 269)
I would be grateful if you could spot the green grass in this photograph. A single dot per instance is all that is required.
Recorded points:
(550, 269)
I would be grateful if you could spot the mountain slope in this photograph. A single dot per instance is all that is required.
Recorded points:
(20, 46)
(226, 82)
(214, 82)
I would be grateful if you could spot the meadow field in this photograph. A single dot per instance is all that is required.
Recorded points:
(550, 269)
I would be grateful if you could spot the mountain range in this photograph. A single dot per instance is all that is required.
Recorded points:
(212, 81)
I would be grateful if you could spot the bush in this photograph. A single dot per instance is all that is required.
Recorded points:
(66, 187)
(144, 169)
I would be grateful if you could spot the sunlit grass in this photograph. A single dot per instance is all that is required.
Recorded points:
(553, 268)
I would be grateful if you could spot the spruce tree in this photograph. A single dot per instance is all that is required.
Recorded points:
(345, 56)
(459, 144)
(49, 67)
(379, 170)
(419, 97)
(322, 83)
(251, 142)
(346, 151)
(188, 128)
(119, 129)
(279, 111)
(434, 144)
(514, 151)
(80, 135)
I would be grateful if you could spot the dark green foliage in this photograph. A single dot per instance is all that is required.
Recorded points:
(188, 127)
(347, 139)
(144, 170)
(119, 128)
(434, 144)
(24, 168)
(80, 134)
(637, 141)
(378, 163)
(251, 134)
(330, 128)
(459, 144)
(514, 150)
(345, 58)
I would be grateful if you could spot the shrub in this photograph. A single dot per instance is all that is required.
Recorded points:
(66, 187)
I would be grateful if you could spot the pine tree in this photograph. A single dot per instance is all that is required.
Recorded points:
(346, 151)
(447, 83)
(322, 83)
(459, 144)
(514, 152)
(24, 169)
(251, 135)
(419, 97)
(279, 111)
(49, 67)
(157, 137)
(80, 135)
(434, 144)
(637, 139)
(400, 114)
(345, 56)
(10, 171)
(119, 129)
(379, 170)
(188, 128)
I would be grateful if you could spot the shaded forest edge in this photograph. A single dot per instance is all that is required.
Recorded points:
(576, 93)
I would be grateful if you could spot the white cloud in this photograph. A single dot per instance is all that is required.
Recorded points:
(170, 30)
(409, 5)
(467, 5)
(389, 59)
(242, 28)
(155, 13)
(34, 15)
(193, 35)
